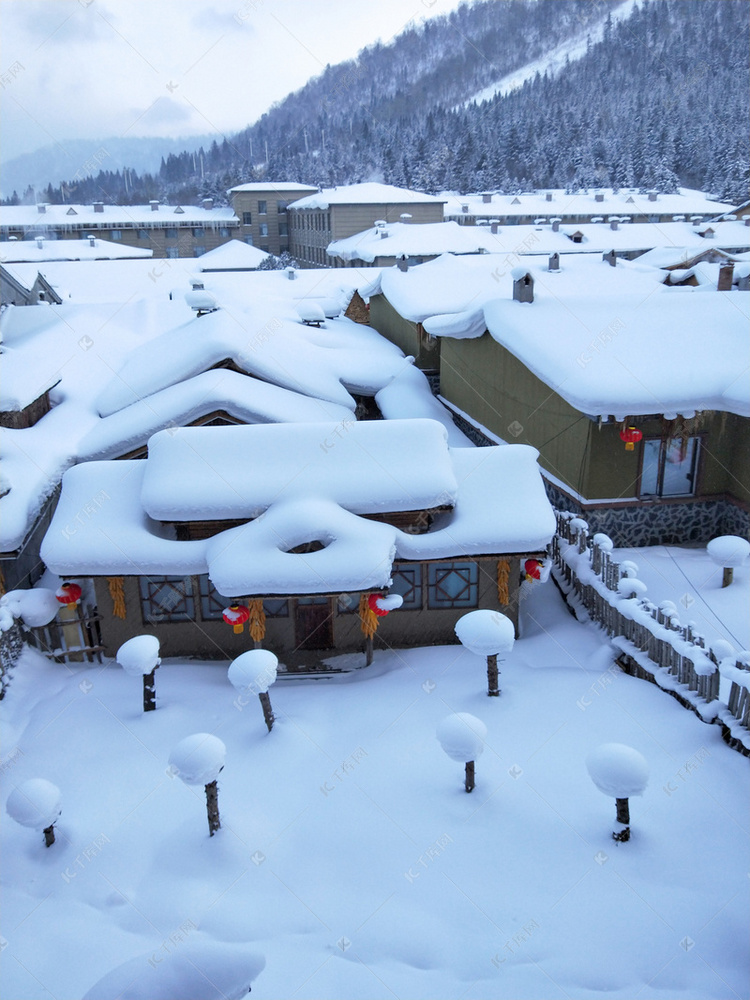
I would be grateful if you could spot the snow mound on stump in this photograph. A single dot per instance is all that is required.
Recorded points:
(486, 633)
(36, 607)
(198, 759)
(139, 655)
(255, 669)
(462, 736)
(191, 972)
(35, 803)
(618, 770)
(728, 550)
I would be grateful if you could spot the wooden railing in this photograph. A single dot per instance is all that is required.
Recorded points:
(654, 644)
(75, 640)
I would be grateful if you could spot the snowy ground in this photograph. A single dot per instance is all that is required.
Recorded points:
(350, 855)
(692, 581)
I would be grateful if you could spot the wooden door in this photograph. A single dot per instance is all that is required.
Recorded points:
(313, 620)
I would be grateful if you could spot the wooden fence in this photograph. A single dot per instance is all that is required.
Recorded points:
(654, 644)
(73, 641)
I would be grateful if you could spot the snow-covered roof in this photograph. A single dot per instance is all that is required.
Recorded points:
(16, 251)
(626, 201)
(280, 186)
(232, 256)
(500, 507)
(22, 383)
(369, 193)
(366, 467)
(29, 216)
(431, 239)
(609, 340)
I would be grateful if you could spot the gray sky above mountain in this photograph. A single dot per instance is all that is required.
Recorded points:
(88, 68)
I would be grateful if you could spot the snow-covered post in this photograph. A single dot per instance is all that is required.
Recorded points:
(138, 657)
(198, 760)
(619, 771)
(255, 671)
(36, 804)
(487, 633)
(729, 552)
(462, 737)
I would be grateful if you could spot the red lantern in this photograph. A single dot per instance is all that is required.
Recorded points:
(68, 594)
(236, 615)
(533, 569)
(631, 436)
(372, 601)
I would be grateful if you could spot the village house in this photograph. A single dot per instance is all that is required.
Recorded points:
(166, 230)
(261, 208)
(575, 207)
(335, 213)
(386, 244)
(627, 387)
(301, 542)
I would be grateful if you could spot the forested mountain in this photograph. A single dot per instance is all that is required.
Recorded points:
(661, 99)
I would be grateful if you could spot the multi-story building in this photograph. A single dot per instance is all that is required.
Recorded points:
(261, 209)
(335, 213)
(167, 230)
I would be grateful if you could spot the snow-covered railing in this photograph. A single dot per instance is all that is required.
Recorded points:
(713, 681)
(73, 640)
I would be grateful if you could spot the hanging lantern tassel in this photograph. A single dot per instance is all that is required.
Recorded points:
(236, 615)
(257, 620)
(631, 436)
(503, 575)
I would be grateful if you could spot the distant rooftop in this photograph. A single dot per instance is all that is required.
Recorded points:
(369, 193)
(272, 186)
(43, 215)
(38, 250)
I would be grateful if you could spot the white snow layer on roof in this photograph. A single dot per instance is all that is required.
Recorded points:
(98, 249)
(238, 472)
(369, 193)
(29, 216)
(22, 382)
(232, 255)
(247, 399)
(500, 507)
(609, 340)
(267, 340)
(423, 240)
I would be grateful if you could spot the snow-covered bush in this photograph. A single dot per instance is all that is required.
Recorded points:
(619, 771)
(462, 737)
(36, 804)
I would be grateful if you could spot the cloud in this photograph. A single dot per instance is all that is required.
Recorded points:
(57, 22)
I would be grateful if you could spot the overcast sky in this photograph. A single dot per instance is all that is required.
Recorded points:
(98, 68)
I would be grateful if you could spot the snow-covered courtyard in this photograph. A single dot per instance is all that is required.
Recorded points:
(350, 856)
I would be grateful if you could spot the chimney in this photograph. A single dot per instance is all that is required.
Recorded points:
(99, 206)
(611, 258)
(39, 243)
(494, 226)
(291, 273)
(405, 217)
(599, 196)
(403, 263)
(556, 225)
(747, 220)
(696, 219)
(207, 203)
(41, 208)
(554, 262)
(726, 273)
(652, 195)
(383, 233)
(614, 221)
(92, 241)
(197, 284)
(523, 288)
(464, 208)
(154, 205)
(548, 196)
(486, 197)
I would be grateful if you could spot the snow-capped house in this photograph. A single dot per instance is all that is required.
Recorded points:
(305, 519)
(594, 350)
